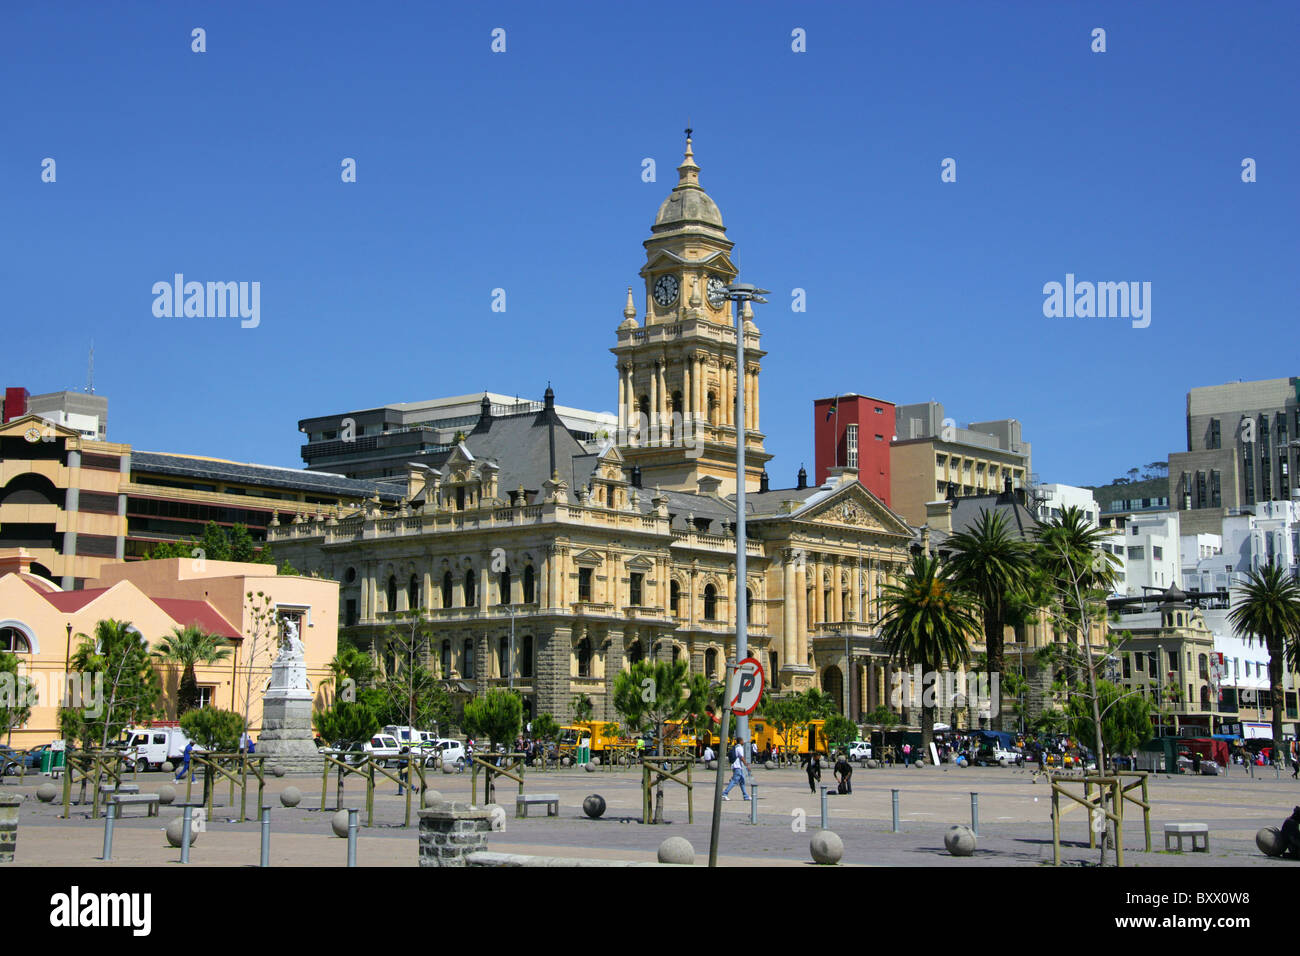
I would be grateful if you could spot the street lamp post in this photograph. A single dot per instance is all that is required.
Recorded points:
(740, 293)
(67, 659)
(1160, 689)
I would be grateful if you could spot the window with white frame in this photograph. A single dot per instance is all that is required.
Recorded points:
(851, 437)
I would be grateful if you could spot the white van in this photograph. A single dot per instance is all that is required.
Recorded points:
(148, 748)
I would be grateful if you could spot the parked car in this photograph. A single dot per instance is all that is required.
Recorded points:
(446, 753)
(383, 747)
(147, 748)
(860, 750)
(14, 760)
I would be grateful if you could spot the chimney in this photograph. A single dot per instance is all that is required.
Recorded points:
(803, 479)
(763, 487)
(938, 515)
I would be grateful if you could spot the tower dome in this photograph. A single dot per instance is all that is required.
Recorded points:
(688, 207)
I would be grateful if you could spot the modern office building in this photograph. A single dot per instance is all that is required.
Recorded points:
(932, 458)
(1243, 447)
(854, 431)
(76, 503)
(82, 412)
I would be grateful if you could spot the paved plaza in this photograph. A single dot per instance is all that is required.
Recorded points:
(1014, 821)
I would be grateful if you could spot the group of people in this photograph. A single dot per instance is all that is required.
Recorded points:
(812, 764)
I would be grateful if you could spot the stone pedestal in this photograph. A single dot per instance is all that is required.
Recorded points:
(797, 678)
(286, 737)
(449, 832)
(9, 803)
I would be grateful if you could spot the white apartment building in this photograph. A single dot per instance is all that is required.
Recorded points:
(1152, 552)
(1050, 500)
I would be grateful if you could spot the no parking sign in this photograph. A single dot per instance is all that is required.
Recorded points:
(748, 688)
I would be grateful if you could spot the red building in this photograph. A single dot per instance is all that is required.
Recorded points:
(856, 431)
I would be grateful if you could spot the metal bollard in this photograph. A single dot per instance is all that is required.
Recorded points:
(266, 837)
(111, 812)
(753, 803)
(975, 812)
(352, 837)
(895, 801)
(185, 834)
(825, 822)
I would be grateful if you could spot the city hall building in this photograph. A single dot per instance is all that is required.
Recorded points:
(595, 555)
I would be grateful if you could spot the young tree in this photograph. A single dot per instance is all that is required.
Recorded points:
(213, 729)
(653, 693)
(498, 716)
(171, 549)
(350, 669)
(17, 695)
(840, 731)
(242, 547)
(1125, 720)
(215, 543)
(346, 721)
(928, 620)
(412, 696)
(583, 708)
(1268, 610)
(788, 715)
(189, 647)
(261, 642)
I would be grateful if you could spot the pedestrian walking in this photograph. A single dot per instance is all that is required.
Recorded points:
(907, 755)
(814, 771)
(185, 767)
(738, 768)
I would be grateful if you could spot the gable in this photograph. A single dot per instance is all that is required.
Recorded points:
(853, 506)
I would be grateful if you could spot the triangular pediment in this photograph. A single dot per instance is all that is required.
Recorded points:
(640, 563)
(667, 259)
(48, 430)
(853, 506)
(588, 556)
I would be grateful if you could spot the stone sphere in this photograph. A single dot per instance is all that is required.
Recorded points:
(290, 797)
(963, 762)
(770, 765)
(277, 771)
(1002, 761)
(46, 792)
(175, 827)
(1269, 841)
(167, 767)
(430, 797)
(873, 764)
(591, 767)
(339, 823)
(566, 761)
(713, 765)
(594, 760)
(677, 850)
(448, 767)
(594, 806)
(960, 841)
(826, 847)
(166, 793)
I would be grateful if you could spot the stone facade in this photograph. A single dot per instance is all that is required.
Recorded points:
(9, 804)
(450, 831)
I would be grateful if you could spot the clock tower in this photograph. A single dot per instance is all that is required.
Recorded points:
(677, 375)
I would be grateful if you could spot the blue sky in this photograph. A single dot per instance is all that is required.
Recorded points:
(522, 170)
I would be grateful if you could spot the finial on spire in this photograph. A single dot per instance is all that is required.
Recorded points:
(629, 310)
(688, 172)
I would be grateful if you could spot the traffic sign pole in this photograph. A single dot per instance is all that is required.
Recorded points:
(723, 760)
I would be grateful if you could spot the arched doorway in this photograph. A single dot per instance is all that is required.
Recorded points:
(833, 684)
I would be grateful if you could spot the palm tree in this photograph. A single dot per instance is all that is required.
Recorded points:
(928, 620)
(993, 566)
(189, 646)
(350, 664)
(1269, 609)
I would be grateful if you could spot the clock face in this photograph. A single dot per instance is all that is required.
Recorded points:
(666, 290)
(32, 434)
(717, 291)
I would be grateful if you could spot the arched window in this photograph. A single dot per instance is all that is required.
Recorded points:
(710, 603)
(505, 586)
(674, 596)
(1203, 665)
(447, 588)
(392, 594)
(460, 498)
(526, 657)
(468, 651)
(1205, 697)
(446, 659)
(677, 653)
(711, 663)
(469, 588)
(584, 658)
(14, 641)
(713, 408)
(529, 584)
(749, 604)
(413, 593)
(503, 657)
(675, 416)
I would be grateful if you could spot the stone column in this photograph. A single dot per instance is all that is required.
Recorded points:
(622, 403)
(815, 572)
(789, 611)
(701, 411)
(837, 592)
(665, 402)
(688, 398)
(801, 622)
(653, 424)
(756, 419)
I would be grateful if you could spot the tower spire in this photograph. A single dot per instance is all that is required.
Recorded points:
(688, 172)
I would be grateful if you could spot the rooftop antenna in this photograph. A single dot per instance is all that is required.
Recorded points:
(90, 370)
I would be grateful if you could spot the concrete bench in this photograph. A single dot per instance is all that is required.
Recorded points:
(550, 800)
(124, 800)
(121, 788)
(1177, 831)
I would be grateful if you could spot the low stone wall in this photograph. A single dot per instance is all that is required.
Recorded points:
(9, 803)
(450, 832)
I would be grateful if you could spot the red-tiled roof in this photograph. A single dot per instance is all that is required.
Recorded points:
(199, 613)
(68, 601)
